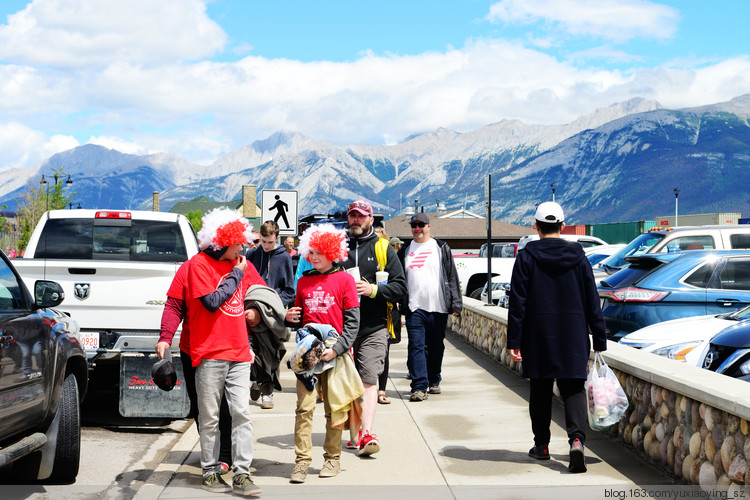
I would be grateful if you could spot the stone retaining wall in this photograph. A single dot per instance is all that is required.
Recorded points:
(692, 422)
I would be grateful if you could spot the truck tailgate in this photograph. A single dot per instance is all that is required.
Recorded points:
(107, 295)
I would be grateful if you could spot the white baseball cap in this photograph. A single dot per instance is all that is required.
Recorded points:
(549, 211)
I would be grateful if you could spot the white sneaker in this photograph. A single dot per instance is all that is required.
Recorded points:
(266, 401)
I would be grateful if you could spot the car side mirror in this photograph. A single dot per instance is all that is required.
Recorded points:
(48, 294)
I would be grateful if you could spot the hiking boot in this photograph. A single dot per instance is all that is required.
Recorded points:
(540, 452)
(368, 445)
(215, 484)
(242, 484)
(435, 389)
(577, 458)
(299, 474)
(417, 396)
(254, 391)
(266, 401)
(330, 469)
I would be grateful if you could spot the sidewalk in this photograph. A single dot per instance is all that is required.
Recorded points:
(471, 441)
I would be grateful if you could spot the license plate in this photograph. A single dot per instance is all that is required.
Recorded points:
(90, 340)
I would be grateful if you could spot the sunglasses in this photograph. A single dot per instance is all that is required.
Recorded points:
(256, 241)
(417, 224)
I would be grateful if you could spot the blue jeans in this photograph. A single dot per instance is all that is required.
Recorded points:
(426, 332)
(214, 378)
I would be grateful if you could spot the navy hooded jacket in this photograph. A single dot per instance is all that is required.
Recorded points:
(275, 267)
(553, 302)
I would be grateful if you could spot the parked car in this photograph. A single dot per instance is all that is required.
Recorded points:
(598, 253)
(729, 352)
(43, 379)
(662, 287)
(675, 240)
(585, 241)
(501, 284)
(684, 339)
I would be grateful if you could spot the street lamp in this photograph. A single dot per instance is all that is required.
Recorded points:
(44, 183)
(676, 194)
(553, 186)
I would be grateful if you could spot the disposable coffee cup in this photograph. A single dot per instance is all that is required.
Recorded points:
(381, 277)
(354, 271)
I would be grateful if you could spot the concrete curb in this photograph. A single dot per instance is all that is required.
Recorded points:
(154, 486)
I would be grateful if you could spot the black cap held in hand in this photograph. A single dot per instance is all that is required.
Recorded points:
(163, 373)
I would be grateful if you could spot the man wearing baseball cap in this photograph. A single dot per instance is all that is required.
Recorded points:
(433, 292)
(553, 303)
(371, 344)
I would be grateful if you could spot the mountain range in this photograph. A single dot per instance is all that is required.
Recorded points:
(620, 163)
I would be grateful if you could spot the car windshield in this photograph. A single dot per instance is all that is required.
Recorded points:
(740, 315)
(642, 244)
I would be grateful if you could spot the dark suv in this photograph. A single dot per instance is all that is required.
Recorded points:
(43, 378)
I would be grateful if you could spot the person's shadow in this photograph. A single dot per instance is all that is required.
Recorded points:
(461, 453)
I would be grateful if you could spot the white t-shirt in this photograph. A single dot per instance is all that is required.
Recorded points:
(422, 264)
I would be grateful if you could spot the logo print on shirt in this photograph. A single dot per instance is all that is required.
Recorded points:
(234, 306)
(318, 301)
(419, 259)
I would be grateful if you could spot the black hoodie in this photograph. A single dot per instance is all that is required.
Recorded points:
(276, 271)
(552, 305)
(373, 312)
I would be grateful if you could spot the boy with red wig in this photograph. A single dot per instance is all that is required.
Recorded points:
(325, 295)
(217, 280)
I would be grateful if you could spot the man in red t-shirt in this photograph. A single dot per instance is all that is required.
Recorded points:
(217, 280)
(175, 312)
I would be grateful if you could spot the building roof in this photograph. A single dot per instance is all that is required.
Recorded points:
(466, 228)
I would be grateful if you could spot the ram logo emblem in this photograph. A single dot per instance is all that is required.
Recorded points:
(82, 290)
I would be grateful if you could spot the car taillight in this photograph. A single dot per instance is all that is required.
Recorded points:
(113, 215)
(633, 295)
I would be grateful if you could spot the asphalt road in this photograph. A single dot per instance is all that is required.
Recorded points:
(117, 454)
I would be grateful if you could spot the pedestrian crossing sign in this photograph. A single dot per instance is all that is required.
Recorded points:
(280, 206)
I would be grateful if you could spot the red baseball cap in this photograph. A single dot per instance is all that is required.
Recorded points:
(360, 206)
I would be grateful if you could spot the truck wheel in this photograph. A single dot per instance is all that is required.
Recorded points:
(476, 294)
(68, 450)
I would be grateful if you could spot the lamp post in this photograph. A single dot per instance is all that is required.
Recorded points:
(676, 194)
(553, 186)
(44, 183)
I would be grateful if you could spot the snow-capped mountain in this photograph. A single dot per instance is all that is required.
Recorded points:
(611, 165)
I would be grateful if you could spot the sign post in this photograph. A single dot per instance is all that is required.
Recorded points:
(281, 206)
(488, 202)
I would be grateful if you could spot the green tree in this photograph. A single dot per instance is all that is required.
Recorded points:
(195, 217)
(36, 200)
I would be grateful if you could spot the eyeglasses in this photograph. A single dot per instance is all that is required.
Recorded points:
(256, 241)
(417, 224)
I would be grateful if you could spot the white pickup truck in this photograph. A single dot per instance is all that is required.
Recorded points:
(115, 267)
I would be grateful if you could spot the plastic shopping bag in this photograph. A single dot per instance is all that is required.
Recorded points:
(606, 399)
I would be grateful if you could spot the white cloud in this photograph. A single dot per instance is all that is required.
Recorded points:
(200, 110)
(76, 33)
(617, 20)
(21, 146)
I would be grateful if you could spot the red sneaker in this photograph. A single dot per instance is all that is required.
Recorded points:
(354, 446)
(368, 445)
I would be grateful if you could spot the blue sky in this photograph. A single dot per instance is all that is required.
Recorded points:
(201, 78)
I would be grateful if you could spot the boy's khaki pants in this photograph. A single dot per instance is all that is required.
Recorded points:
(303, 423)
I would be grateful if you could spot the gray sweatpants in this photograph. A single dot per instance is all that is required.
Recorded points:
(212, 378)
